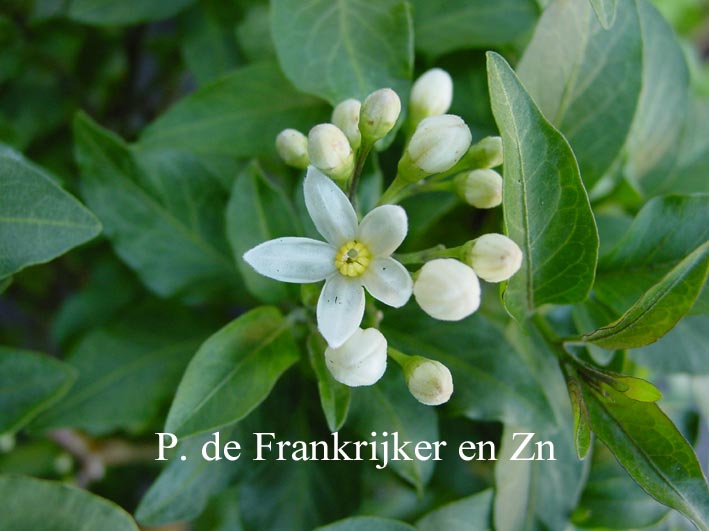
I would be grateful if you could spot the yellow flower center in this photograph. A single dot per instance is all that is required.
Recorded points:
(352, 259)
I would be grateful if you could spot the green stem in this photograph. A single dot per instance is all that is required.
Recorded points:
(398, 356)
(553, 340)
(420, 257)
(364, 151)
(393, 195)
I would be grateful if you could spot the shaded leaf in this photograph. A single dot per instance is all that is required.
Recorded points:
(367, 523)
(605, 11)
(468, 514)
(117, 12)
(334, 396)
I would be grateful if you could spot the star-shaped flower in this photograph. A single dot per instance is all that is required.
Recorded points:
(352, 256)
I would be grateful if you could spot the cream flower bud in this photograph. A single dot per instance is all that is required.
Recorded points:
(330, 151)
(346, 116)
(292, 147)
(379, 114)
(437, 145)
(361, 360)
(485, 154)
(447, 289)
(431, 95)
(494, 257)
(429, 381)
(480, 188)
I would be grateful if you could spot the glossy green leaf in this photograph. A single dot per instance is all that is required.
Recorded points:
(345, 49)
(258, 210)
(606, 11)
(29, 503)
(660, 308)
(545, 204)
(29, 383)
(117, 12)
(665, 231)
(651, 449)
(239, 115)
(367, 523)
(232, 372)
(128, 371)
(38, 220)
(653, 142)
(389, 407)
(334, 396)
(442, 26)
(586, 80)
(164, 220)
(471, 514)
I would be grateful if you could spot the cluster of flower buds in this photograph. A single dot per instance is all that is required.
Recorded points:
(357, 255)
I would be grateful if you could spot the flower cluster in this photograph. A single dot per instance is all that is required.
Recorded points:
(357, 255)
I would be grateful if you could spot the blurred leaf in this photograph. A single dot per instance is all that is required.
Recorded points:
(442, 26)
(389, 407)
(239, 114)
(653, 142)
(606, 11)
(116, 12)
(334, 396)
(545, 204)
(29, 383)
(366, 523)
(346, 49)
(38, 220)
(468, 514)
(165, 222)
(682, 350)
(651, 449)
(28, 503)
(585, 80)
(232, 372)
(692, 165)
(128, 370)
(254, 34)
(258, 210)
(222, 513)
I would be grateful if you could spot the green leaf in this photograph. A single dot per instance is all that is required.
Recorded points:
(442, 26)
(492, 380)
(651, 449)
(606, 11)
(164, 220)
(254, 34)
(612, 500)
(222, 513)
(334, 396)
(653, 143)
(258, 210)
(682, 350)
(117, 12)
(367, 523)
(29, 503)
(660, 308)
(585, 80)
(128, 371)
(38, 220)
(29, 383)
(692, 166)
(232, 372)
(345, 49)
(582, 423)
(239, 115)
(389, 407)
(665, 231)
(471, 514)
(545, 204)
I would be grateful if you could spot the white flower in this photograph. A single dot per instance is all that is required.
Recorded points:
(361, 360)
(494, 257)
(447, 289)
(351, 257)
(429, 381)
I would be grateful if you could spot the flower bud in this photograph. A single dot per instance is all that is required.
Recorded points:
(431, 95)
(447, 289)
(361, 360)
(429, 381)
(330, 151)
(436, 146)
(480, 188)
(485, 154)
(346, 116)
(379, 114)
(292, 147)
(494, 257)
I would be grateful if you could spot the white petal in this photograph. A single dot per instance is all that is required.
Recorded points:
(383, 229)
(340, 309)
(388, 281)
(297, 260)
(329, 208)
